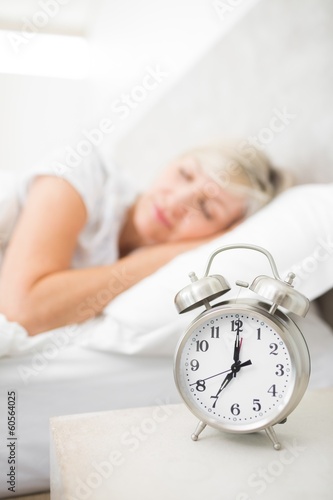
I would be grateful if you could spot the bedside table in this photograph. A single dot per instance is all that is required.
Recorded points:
(147, 453)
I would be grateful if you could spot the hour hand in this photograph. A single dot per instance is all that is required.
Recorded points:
(224, 384)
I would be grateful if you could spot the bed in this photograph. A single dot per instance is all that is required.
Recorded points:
(124, 358)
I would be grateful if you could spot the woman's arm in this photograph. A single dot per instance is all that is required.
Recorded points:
(37, 288)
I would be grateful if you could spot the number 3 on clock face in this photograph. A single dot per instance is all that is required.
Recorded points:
(236, 368)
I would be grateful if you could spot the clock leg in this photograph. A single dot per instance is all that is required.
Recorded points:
(200, 427)
(272, 436)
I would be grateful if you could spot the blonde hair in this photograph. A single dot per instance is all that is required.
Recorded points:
(246, 171)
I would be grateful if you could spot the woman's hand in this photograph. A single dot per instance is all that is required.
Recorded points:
(42, 245)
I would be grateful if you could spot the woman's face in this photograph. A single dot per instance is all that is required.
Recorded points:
(185, 203)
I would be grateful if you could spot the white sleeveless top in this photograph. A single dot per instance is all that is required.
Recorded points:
(107, 194)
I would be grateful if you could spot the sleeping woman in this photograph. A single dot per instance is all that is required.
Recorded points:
(86, 236)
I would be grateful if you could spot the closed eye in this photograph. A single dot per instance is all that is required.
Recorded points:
(185, 174)
(204, 209)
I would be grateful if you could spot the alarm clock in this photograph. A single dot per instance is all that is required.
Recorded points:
(242, 365)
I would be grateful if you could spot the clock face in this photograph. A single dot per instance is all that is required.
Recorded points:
(235, 369)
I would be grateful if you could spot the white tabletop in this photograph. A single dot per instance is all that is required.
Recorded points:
(147, 453)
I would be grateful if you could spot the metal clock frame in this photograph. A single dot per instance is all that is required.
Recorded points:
(299, 357)
(279, 294)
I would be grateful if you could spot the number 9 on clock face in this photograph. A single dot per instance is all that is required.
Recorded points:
(239, 370)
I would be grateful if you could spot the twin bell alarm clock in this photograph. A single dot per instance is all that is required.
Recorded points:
(242, 365)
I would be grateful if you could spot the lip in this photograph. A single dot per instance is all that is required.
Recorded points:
(161, 217)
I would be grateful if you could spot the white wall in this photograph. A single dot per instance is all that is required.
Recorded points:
(39, 114)
(227, 70)
(129, 35)
(278, 57)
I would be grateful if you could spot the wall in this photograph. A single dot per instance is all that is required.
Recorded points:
(227, 74)
(130, 36)
(268, 80)
(39, 113)
(37, 116)
(125, 38)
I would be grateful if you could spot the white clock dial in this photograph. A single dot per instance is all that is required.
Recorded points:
(235, 370)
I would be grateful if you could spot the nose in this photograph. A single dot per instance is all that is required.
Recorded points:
(178, 203)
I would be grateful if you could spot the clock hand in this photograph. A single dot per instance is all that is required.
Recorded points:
(246, 363)
(238, 345)
(212, 376)
(234, 369)
(224, 384)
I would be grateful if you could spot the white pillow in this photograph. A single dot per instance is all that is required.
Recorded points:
(297, 228)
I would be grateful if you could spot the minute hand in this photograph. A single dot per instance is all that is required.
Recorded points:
(237, 348)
